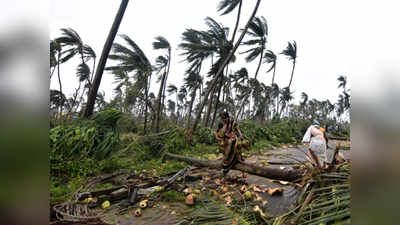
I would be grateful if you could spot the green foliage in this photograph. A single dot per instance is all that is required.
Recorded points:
(76, 149)
(176, 141)
(205, 135)
(252, 131)
(127, 124)
(173, 196)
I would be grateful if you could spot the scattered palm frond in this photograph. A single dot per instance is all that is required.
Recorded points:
(328, 200)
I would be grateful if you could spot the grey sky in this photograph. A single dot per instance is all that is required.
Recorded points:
(334, 38)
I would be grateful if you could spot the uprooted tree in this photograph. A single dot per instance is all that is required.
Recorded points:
(268, 172)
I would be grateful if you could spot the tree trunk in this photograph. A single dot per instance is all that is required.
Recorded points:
(291, 77)
(273, 74)
(268, 172)
(237, 21)
(103, 59)
(209, 108)
(216, 103)
(202, 104)
(159, 102)
(59, 80)
(146, 98)
(190, 108)
(166, 78)
(259, 62)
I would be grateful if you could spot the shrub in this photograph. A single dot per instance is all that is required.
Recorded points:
(76, 149)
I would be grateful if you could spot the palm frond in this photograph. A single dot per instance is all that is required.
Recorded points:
(83, 72)
(161, 43)
(228, 5)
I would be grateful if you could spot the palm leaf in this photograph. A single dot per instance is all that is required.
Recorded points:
(228, 5)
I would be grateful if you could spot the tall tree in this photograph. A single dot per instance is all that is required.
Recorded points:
(270, 57)
(103, 59)
(291, 53)
(133, 59)
(258, 31)
(192, 83)
(221, 68)
(228, 6)
(162, 43)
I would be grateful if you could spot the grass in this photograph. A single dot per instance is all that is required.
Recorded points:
(173, 196)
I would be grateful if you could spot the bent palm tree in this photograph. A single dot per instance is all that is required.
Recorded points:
(133, 59)
(162, 43)
(270, 57)
(229, 6)
(103, 59)
(258, 30)
(291, 53)
(221, 68)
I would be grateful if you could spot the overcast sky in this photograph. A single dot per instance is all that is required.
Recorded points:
(357, 39)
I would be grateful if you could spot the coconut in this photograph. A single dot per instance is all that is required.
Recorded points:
(247, 195)
(143, 204)
(105, 204)
(190, 199)
(138, 212)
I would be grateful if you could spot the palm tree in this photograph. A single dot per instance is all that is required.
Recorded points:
(342, 82)
(103, 59)
(133, 59)
(304, 98)
(71, 40)
(270, 57)
(258, 31)
(345, 98)
(192, 83)
(199, 45)
(55, 58)
(162, 43)
(182, 98)
(173, 89)
(291, 53)
(286, 96)
(221, 68)
(229, 6)
(275, 94)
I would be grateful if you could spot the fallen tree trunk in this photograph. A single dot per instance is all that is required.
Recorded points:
(268, 172)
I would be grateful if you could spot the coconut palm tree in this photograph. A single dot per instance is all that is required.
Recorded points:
(291, 53)
(228, 6)
(162, 43)
(275, 94)
(72, 42)
(342, 82)
(103, 59)
(192, 83)
(270, 57)
(221, 68)
(304, 98)
(182, 93)
(199, 45)
(258, 31)
(173, 89)
(55, 58)
(286, 96)
(133, 59)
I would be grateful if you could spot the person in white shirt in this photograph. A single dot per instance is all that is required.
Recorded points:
(318, 140)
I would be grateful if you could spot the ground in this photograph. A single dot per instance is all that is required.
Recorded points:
(223, 194)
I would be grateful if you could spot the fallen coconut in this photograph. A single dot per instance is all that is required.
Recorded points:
(138, 212)
(143, 204)
(247, 195)
(190, 199)
(105, 204)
